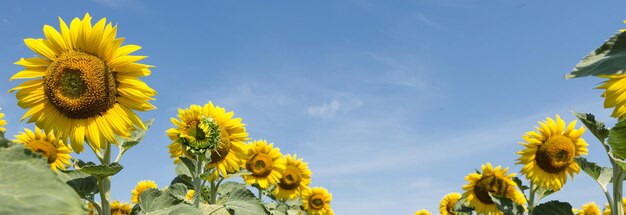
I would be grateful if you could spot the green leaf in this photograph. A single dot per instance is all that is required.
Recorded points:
(4, 142)
(553, 208)
(507, 206)
(601, 174)
(181, 169)
(617, 139)
(242, 202)
(183, 179)
(610, 58)
(543, 192)
(135, 136)
(617, 161)
(228, 187)
(85, 185)
(155, 202)
(519, 184)
(208, 209)
(178, 191)
(98, 170)
(190, 164)
(597, 128)
(462, 206)
(28, 186)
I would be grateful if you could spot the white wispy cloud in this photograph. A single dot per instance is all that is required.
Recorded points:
(329, 110)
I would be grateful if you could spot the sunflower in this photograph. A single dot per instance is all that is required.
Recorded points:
(422, 212)
(266, 164)
(548, 156)
(295, 179)
(2, 123)
(589, 209)
(194, 129)
(189, 195)
(447, 203)
(120, 208)
(494, 181)
(316, 201)
(614, 94)
(142, 186)
(57, 154)
(84, 84)
(607, 208)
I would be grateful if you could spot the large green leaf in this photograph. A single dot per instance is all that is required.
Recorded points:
(103, 170)
(601, 174)
(230, 186)
(553, 208)
(155, 202)
(597, 128)
(242, 202)
(135, 136)
(507, 206)
(28, 186)
(617, 139)
(213, 209)
(610, 58)
(85, 185)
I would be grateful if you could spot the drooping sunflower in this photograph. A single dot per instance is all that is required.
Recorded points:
(316, 201)
(194, 128)
(607, 208)
(548, 156)
(494, 181)
(120, 208)
(422, 212)
(589, 209)
(84, 84)
(2, 123)
(142, 186)
(57, 154)
(295, 179)
(447, 203)
(265, 162)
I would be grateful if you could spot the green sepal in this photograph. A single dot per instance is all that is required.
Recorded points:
(553, 208)
(608, 59)
(506, 205)
(103, 170)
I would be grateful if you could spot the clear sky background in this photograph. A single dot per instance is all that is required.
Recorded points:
(392, 103)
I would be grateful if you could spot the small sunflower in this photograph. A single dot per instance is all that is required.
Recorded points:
(494, 181)
(2, 123)
(295, 179)
(422, 212)
(614, 94)
(607, 208)
(142, 186)
(196, 125)
(548, 156)
(316, 201)
(589, 209)
(189, 195)
(266, 164)
(84, 84)
(57, 154)
(447, 203)
(120, 208)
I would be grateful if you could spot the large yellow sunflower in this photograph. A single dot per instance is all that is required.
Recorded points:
(2, 123)
(494, 181)
(447, 203)
(141, 186)
(193, 129)
(316, 201)
(48, 145)
(265, 162)
(589, 209)
(422, 212)
(548, 156)
(120, 208)
(295, 179)
(84, 84)
(615, 94)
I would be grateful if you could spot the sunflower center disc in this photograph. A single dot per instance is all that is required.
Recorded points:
(223, 147)
(489, 184)
(80, 85)
(316, 202)
(291, 179)
(555, 154)
(260, 165)
(45, 148)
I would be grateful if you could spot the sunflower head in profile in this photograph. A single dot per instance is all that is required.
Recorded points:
(120, 208)
(493, 181)
(422, 212)
(142, 186)
(294, 180)
(84, 84)
(446, 205)
(266, 164)
(589, 209)
(209, 129)
(316, 201)
(2, 123)
(53, 149)
(548, 154)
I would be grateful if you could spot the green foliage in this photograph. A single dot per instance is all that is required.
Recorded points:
(462, 206)
(135, 137)
(99, 171)
(520, 185)
(617, 139)
(553, 208)
(597, 128)
(208, 209)
(610, 58)
(169, 201)
(281, 208)
(85, 185)
(601, 174)
(507, 206)
(28, 186)
(239, 200)
(190, 164)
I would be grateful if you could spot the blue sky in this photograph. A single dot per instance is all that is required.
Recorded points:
(391, 103)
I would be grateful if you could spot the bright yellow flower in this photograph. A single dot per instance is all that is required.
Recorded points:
(607, 208)
(57, 154)
(589, 209)
(295, 179)
(189, 195)
(192, 130)
(84, 84)
(447, 203)
(316, 201)
(142, 186)
(614, 94)
(2, 123)
(422, 212)
(494, 181)
(548, 155)
(120, 208)
(266, 164)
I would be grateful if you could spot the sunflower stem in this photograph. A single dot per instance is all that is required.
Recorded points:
(95, 205)
(260, 193)
(213, 192)
(104, 183)
(197, 185)
(618, 181)
(531, 201)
